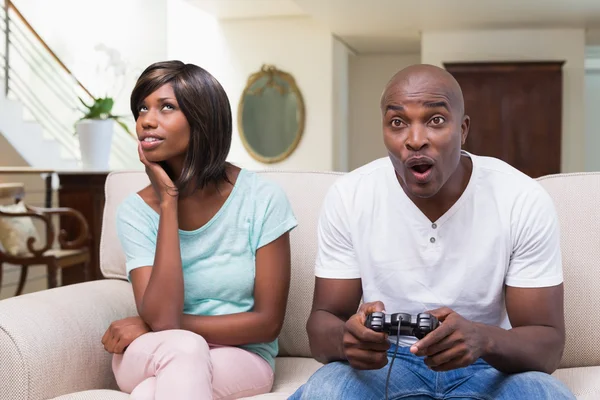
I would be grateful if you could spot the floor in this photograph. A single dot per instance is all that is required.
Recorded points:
(36, 280)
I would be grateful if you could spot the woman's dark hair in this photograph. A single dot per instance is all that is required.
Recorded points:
(206, 107)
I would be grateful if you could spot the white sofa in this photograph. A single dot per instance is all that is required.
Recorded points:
(50, 341)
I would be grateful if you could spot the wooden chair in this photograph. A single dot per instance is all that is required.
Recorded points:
(71, 253)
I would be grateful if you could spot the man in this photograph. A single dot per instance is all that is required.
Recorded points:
(435, 229)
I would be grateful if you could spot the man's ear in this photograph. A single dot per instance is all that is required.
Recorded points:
(464, 129)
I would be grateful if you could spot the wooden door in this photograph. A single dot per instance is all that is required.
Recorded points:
(516, 112)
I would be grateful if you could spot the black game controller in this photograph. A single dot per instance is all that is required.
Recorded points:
(402, 324)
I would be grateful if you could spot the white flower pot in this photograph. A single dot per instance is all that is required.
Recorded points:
(95, 139)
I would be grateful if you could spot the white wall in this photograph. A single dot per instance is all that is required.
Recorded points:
(233, 50)
(136, 29)
(592, 126)
(341, 106)
(106, 47)
(517, 45)
(368, 76)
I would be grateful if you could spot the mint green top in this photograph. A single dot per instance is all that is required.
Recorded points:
(218, 259)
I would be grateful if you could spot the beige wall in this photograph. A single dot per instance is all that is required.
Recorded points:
(592, 127)
(341, 106)
(232, 50)
(34, 184)
(518, 45)
(368, 76)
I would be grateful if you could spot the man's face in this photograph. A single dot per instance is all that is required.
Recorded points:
(423, 130)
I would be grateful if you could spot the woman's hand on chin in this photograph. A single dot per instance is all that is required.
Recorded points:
(161, 182)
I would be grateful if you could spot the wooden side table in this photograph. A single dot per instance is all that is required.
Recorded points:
(83, 191)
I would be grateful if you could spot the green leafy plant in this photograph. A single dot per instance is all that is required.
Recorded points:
(102, 109)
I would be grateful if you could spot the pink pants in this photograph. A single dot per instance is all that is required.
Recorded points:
(179, 364)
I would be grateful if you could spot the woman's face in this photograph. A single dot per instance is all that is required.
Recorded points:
(162, 128)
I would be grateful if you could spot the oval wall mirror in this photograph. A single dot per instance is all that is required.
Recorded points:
(271, 115)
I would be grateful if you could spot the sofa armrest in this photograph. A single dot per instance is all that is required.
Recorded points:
(50, 341)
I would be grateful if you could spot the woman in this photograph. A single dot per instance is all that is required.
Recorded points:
(207, 249)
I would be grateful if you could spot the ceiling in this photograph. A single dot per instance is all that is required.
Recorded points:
(382, 26)
(240, 9)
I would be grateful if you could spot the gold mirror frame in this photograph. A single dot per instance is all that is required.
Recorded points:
(270, 71)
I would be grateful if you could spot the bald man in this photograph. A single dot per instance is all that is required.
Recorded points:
(433, 228)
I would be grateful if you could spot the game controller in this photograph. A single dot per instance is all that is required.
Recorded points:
(402, 324)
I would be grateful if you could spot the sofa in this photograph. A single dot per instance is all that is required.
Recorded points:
(50, 341)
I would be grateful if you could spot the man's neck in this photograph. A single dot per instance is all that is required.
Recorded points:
(436, 206)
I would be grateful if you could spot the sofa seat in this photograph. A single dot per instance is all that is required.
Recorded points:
(95, 395)
(290, 374)
(584, 382)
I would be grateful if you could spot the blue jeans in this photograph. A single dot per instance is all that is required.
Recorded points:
(412, 379)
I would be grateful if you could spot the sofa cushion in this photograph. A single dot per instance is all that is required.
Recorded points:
(290, 374)
(577, 201)
(95, 395)
(118, 186)
(584, 382)
(305, 191)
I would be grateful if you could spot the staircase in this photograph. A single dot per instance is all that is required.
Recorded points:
(39, 100)
(28, 138)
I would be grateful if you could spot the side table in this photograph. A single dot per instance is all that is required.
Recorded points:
(83, 191)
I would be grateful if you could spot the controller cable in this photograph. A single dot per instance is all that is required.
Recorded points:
(387, 380)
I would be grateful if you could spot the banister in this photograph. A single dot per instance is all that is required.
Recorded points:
(6, 46)
(11, 5)
(25, 44)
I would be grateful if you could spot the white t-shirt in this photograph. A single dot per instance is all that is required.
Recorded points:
(503, 230)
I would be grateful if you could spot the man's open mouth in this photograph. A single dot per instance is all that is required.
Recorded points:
(421, 168)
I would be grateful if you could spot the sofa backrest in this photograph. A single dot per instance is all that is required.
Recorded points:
(305, 191)
(118, 186)
(576, 197)
(577, 201)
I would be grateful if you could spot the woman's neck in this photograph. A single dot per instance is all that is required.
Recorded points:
(211, 188)
(175, 167)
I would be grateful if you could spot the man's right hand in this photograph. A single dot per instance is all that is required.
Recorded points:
(363, 347)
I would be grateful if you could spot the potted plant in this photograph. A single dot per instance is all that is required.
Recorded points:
(95, 131)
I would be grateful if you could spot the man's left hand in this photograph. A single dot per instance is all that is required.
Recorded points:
(455, 343)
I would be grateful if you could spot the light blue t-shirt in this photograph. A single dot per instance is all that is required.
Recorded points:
(218, 259)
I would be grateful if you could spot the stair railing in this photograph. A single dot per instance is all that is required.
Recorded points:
(34, 75)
